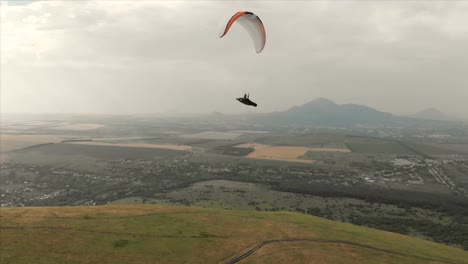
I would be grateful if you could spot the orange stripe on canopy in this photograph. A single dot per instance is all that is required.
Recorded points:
(231, 21)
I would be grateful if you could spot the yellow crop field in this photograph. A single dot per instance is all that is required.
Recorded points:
(283, 153)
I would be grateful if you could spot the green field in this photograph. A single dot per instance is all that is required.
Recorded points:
(454, 148)
(311, 140)
(374, 145)
(95, 152)
(160, 234)
(442, 149)
(381, 147)
(217, 135)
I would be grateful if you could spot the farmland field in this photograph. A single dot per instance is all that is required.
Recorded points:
(9, 142)
(434, 149)
(311, 140)
(213, 135)
(454, 148)
(381, 147)
(37, 123)
(251, 131)
(329, 150)
(62, 150)
(78, 126)
(283, 153)
(211, 144)
(135, 145)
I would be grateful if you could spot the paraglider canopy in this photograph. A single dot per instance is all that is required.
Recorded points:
(252, 24)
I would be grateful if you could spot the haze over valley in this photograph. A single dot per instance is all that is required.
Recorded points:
(234, 132)
(349, 163)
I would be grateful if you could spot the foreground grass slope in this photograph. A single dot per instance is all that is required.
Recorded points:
(163, 234)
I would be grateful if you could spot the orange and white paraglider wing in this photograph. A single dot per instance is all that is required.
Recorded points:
(252, 24)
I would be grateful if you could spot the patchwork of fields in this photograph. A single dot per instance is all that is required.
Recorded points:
(123, 161)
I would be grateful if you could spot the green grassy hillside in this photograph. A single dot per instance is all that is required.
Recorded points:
(162, 234)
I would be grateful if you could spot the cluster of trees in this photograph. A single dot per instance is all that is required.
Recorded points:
(453, 207)
(444, 203)
(235, 151)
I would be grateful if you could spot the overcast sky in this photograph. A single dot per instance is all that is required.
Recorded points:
(162, 56)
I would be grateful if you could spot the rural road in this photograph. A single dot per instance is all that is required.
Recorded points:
(253, 248)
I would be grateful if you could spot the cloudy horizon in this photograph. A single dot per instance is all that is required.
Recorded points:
(164, 56)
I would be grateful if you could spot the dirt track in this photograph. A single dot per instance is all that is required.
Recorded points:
(253, 248)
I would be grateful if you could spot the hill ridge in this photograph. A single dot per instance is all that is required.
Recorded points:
(432, 113)
(123, 233)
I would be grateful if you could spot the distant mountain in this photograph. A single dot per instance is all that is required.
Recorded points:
(323, 111)
(432, 114)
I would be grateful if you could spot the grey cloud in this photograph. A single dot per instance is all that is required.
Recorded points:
(154, 56)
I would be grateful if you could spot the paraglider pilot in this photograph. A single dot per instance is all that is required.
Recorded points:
(246, 100)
